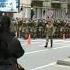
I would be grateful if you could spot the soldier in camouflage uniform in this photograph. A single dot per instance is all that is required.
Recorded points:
(49, 29)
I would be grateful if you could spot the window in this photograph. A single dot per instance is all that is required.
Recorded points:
(55, 0)
(47, 0)
(56, 5)
(63, 0)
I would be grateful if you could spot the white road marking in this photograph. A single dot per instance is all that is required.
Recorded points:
(38, 68)
(37, 42)
(42, 44)
(44, 50)
(50, 64)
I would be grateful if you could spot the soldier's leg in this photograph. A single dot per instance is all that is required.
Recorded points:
(51, 41)
(47, 39)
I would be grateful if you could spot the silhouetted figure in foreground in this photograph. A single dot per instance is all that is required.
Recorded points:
(10, 47)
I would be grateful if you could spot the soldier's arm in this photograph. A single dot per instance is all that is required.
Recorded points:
(53, 28)
(45, 28)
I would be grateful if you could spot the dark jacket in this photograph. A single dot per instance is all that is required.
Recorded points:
(13, 49)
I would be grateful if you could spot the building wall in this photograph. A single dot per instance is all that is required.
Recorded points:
(58, 13)
(26, 9)
(41, 8)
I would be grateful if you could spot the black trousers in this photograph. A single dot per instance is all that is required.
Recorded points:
(8, 67)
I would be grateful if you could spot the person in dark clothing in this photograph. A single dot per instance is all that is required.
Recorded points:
(10, 47)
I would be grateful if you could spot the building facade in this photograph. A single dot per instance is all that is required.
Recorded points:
(60, 9)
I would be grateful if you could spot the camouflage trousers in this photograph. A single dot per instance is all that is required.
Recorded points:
(51, 40)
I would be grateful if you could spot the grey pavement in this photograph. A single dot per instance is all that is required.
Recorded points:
(55, 67)
(37, 57)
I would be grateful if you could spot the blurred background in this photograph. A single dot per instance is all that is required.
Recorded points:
(32, 17)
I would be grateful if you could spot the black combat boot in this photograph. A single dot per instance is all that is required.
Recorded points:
(46, 45)
(51, 43)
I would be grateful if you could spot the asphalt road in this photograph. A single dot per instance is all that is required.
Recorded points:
(37, 57)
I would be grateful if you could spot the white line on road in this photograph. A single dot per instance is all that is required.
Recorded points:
(44, 50)
(50, 64)
(37, 42)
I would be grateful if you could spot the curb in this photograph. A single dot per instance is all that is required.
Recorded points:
(69, 57)
(63, 62)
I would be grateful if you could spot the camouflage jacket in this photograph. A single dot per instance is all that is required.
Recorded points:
(49, 30)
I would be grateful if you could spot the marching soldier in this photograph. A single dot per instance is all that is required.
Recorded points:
(49, 29)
